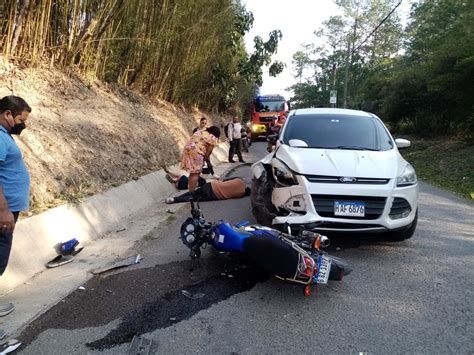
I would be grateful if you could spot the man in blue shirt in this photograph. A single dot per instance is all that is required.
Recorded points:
(14, 179)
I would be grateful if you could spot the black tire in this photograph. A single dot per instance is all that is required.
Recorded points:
(406, 233)
(339, 269)
(261, 199)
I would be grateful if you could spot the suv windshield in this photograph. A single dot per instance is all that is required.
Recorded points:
(338, 132)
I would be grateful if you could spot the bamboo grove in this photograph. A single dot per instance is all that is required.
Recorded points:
(184, 51)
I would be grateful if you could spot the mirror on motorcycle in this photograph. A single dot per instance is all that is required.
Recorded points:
(272, 139)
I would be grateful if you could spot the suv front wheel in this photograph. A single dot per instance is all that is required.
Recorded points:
(406, 233)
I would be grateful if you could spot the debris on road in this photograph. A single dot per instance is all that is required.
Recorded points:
(142, 346)
(9, 347)
(192, 296)
(66, 252)
(121, 230)
(82, 288)
(132, 260)
(59, 260)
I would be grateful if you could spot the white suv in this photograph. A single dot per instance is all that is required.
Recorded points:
(336, 170)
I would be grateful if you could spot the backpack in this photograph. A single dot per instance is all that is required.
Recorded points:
(226, 129)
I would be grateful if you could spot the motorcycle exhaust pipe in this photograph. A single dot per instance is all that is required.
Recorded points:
(324, 241)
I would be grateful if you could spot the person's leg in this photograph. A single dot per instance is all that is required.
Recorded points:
(6, 240)
(193, 180)
(183, 198)
(231, 151)
(237, 149)
(203, 193)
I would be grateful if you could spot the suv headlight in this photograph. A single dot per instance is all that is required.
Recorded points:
(282, 174)
(408, 177)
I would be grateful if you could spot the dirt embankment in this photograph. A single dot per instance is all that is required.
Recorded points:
(86, 137)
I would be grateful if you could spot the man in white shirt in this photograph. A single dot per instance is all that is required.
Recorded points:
(235, 139)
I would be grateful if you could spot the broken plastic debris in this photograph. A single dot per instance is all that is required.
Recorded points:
(82, 288)
(191, 296)
(132, 260)
(9, 347)
(142, 346)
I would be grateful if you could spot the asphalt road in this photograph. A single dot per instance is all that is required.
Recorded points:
(414, 296)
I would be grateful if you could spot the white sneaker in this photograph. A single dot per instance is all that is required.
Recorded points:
(169, 200)
(215, 176)
(6, 309)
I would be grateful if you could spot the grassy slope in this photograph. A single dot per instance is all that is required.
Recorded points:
(444, 162)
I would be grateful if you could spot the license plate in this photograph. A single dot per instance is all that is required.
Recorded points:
(324, 267)
(350, 209)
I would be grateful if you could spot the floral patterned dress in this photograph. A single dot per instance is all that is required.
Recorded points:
(192, 159)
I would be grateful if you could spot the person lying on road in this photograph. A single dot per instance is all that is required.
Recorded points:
(215, 190)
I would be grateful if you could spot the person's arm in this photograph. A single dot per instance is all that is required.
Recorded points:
(7, 221)
(230, 131)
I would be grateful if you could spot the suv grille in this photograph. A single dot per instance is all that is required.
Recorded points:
(324, 205)
(337, 180)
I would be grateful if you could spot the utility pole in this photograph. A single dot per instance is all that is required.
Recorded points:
(349, 60)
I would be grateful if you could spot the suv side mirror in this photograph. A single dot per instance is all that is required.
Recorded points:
(402, 143)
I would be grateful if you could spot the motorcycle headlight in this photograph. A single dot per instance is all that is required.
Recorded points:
(282, 174)
(408, 177)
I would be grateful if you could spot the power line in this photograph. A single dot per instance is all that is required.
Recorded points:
(377, 27)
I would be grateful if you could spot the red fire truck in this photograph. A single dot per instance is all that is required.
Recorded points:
(265, 111)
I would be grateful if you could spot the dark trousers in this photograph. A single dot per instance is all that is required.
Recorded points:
(235, 149)
(204, 193)
(6, 240)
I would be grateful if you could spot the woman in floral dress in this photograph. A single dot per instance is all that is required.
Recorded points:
(196, 151)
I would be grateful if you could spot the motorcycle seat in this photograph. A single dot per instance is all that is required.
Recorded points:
(272, 254)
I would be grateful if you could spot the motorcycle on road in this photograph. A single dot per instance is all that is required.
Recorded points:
(295, 258)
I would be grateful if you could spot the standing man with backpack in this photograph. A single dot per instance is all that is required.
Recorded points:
(235, 139)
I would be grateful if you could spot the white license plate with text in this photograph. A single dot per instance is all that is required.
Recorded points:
(324, 267)
(349, 209)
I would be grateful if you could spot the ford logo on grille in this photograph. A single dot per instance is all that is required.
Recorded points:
(347, 179)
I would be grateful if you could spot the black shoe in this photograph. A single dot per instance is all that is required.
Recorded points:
(242, 161)
(231, 161)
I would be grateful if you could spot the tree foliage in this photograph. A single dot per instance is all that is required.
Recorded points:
(426, 88)
(185, 51)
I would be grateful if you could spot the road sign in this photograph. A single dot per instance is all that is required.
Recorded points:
(333, 97)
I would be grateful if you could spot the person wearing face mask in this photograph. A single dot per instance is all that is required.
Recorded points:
(14, 179)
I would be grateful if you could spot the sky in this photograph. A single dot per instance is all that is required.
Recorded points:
(297, 20)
